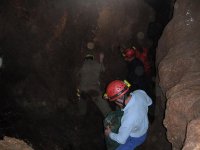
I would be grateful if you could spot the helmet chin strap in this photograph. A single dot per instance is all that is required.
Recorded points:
(123, 103)
(124, 100)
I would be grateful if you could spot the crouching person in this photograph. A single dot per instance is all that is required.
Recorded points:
(134, 122)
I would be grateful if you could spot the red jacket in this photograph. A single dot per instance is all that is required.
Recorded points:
(143, 56)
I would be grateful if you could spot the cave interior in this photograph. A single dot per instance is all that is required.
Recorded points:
(42, 48)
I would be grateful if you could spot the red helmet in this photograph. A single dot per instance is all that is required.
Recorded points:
(116, 89)
(129, 53)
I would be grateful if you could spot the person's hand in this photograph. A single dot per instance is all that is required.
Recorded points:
(107, 131)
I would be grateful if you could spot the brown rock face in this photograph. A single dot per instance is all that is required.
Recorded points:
(116, 25)
(49, 42)
(193, 136)
(44, 44)
(13, 144)
(178, 62)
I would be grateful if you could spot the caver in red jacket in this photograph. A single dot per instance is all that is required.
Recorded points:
(141, 54)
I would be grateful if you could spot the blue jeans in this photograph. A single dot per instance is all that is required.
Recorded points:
(132, 143)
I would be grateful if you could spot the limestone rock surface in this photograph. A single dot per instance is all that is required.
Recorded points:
(178, 63)
(9, 143)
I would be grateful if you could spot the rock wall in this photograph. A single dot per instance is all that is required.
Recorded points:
(9, 143)
(123, 22)
(178, 63)
(44, 44)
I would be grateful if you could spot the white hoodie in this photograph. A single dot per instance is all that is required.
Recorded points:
(134, 121)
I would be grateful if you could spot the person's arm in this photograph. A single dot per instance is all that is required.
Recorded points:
(146, 51)
(122, 135)
(131, 123)
(128, 124)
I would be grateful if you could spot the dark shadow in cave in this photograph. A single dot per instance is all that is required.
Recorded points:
(29, 96)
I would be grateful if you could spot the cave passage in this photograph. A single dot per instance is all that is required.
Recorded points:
(43, 45)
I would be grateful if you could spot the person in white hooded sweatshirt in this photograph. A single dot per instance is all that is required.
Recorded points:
(134, 122)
